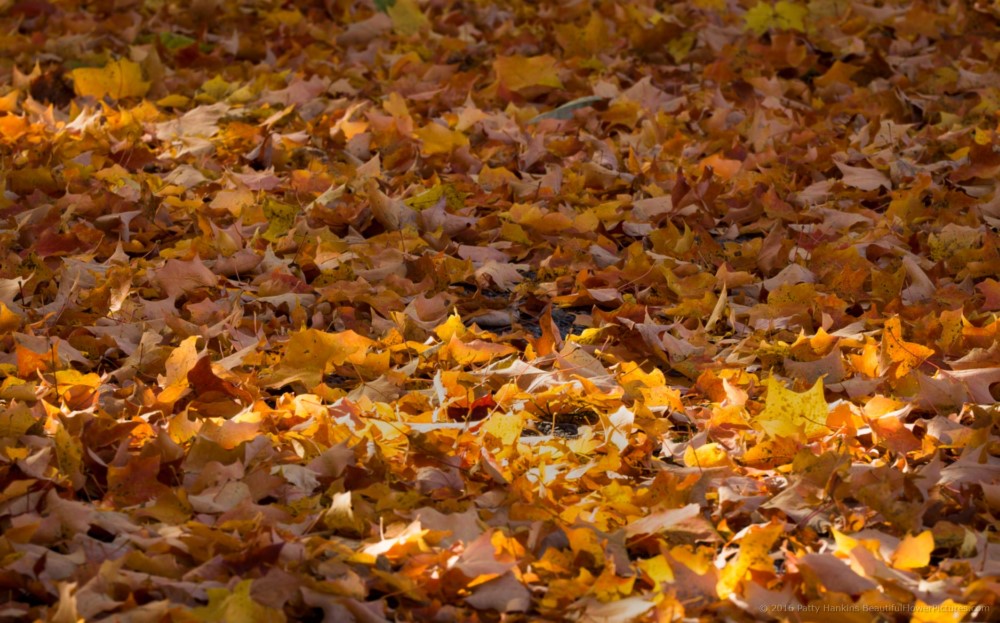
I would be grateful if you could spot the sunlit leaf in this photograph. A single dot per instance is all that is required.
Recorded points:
(754, 553)
(914, 551)
(310, 353)
(792, 414)
(118, 79)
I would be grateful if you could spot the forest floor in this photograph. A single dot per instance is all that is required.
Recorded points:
(480, 311)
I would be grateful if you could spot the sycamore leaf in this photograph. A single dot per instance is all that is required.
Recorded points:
(118, 79)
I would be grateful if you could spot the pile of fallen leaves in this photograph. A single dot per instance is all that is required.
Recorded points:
(461, 311)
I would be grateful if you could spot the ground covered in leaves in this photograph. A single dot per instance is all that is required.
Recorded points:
(469, 311)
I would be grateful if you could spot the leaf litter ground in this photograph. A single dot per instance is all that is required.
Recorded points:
(480, 311)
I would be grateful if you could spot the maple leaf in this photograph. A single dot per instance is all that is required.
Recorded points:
(520, 73)
(898, 356)
(407, 18)
(791, 414)
(310, 353)
(235, 605)
(755, 543)
(782, 15)
(862, 178)
(118, 79)
(914, 551)
(471, 311)
(439, 139)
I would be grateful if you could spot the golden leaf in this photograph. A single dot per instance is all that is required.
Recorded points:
(898, 355)
(438, 139)
(310, 352)
(791, 414)
(914, 552)
(118, 79)
(754, 553)
(518, 73)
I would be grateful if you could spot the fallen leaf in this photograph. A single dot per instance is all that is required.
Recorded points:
(118, 79)
(791, 414)
(520, 73)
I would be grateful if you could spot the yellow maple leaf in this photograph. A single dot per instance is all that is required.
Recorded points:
(407, 18)
(656, 570)
(914, 551)
(517, 73)
(235, 605)
(280, 219)
(755, 547)
(9, 321)
(708, 455)
(505, 427)
(450, 328)
(947, 611)
(784, 15)
(118, 79)
(790, 414)
(473, 352)
(438, 139)
(790, 15)
(430, 197)
(175, 381)
(905, 355)
(310, 352)
(8, 102)
(69, 454)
